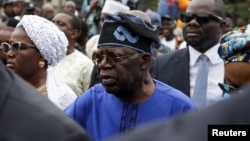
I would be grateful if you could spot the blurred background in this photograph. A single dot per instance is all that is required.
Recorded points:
(238, 8)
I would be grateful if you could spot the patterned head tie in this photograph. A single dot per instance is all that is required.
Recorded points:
(127, 30)
(48, 39)
(235, 47)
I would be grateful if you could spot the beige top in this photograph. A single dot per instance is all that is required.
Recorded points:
(74, 70)
(57, 92)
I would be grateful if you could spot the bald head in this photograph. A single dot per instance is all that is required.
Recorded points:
(70, 6)
(48, 11)
(214, 6)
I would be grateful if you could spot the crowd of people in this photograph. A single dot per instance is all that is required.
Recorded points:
(110, 71)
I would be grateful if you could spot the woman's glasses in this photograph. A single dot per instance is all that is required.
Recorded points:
(226, 88)
(15, 47)
(202, 18)
(110, 57)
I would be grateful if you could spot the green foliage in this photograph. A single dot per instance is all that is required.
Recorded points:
(239, 9)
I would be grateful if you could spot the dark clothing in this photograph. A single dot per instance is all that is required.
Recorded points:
(95, 78)
(170, 70)
(26, 115)
(193, 126)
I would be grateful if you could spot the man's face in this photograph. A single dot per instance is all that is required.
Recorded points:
(119, 76)
(8, 9)
(17, 8)
(48, 12)
(168, 27)
(200, 33)
(70, 7)
(63, 23)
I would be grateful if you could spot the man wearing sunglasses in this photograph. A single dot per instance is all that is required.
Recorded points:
(203, 27)
(127, 97)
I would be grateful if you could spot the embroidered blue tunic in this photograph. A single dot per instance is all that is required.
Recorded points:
(103, 115)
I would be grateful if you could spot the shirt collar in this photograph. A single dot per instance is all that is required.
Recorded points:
(212, 54)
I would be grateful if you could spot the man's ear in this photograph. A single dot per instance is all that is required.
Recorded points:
(146, 59)
(75, 34)
(223, 25)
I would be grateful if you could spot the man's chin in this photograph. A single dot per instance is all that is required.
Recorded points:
(110, 89)
(194, 43)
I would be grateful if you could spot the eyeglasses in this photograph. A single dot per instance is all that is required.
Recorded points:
(202, 18)
(111, 57)
(226, 88)
(15, 47)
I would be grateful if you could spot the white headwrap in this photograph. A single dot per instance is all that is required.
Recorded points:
(111, 7)
(48, 38)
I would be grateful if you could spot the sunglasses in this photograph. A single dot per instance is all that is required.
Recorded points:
(202, 18)
(15, 47)
(110, 57)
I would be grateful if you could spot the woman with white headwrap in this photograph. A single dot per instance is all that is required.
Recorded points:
(35, 44)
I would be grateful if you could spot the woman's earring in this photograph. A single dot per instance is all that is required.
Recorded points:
(41, 64)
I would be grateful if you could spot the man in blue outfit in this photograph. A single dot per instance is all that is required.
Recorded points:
(127, 97)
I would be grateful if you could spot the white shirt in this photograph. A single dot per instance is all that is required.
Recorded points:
(59, 93)
(75, 70)
(183, 45)
(91, 45)
(215, 74)
(171, 44)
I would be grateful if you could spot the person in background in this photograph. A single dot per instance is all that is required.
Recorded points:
(91, 12)
(168, 37)
(168, 7)
(110, 7)
(38, 119)
(18, 9)
(239, 23)
(35, 44)
(5, 33)
(7, 12)
(2, 56)
(235, 52)
(229, 22)
(132, 4)
(202, 31)
(156, 21)
(127, 97)
(75, 68)
(38, 11)
(48, 11)
(70, 6)
(83, 38)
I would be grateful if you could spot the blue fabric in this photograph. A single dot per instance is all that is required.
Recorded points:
(165, 8)
(103, 115)
(200, 88)
(225, 96)
(235, 47)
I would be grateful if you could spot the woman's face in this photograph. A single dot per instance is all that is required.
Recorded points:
(237, 74)
(25, 61)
